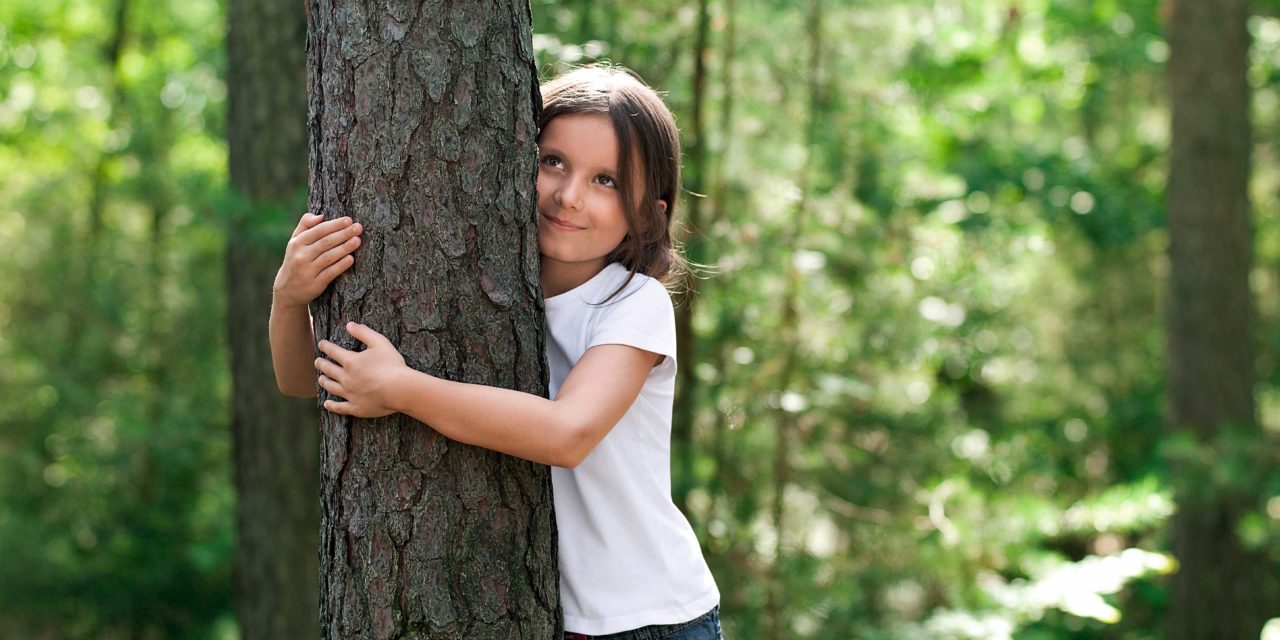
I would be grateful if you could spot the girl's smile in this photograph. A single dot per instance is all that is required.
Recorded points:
(561, 224)
(580, 217)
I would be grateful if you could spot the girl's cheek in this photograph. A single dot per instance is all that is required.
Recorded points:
(543, 183)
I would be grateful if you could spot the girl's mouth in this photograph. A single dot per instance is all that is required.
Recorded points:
(560, 224)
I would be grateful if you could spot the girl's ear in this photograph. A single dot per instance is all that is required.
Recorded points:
(662, 206)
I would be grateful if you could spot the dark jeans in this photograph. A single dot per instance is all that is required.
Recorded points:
(703, 627)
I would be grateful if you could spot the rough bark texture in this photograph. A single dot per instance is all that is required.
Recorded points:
(422, 128)
(275, 441)
(1222, 590)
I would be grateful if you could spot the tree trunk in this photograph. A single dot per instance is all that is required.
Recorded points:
(276, 445)
(422, 128)
(80, 331)
(683, 416)
(720, 203)
(1222, 590)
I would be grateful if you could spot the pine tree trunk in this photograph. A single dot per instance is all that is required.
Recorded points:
(275, 441)
(1222, 590)
(422, 128)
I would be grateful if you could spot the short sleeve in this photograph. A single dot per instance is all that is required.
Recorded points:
(641, 317)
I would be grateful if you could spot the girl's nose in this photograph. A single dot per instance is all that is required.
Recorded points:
(570, 194)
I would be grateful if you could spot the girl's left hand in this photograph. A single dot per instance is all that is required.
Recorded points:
(363, 379)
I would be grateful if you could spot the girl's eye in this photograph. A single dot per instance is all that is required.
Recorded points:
(606, 181)
(552, 161)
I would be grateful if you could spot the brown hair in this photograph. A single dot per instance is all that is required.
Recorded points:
(647, 135)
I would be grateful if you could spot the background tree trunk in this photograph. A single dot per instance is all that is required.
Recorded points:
(695, 177)
(1222, 590)
(422, 127)
(276, 444)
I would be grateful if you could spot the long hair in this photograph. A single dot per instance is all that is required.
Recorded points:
(648, 160)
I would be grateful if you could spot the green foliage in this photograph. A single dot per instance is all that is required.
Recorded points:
(958, 433)
(977, 408)
(116, 516)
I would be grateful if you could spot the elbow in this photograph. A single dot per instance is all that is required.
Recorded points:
(297, 385)
(578, 444)
(295, 391)
(568, 460)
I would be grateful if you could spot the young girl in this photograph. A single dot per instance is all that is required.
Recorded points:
(608, 179)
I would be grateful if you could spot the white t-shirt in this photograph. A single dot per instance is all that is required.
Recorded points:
(628, 557)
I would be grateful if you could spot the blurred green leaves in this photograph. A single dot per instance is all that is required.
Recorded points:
(116, 508)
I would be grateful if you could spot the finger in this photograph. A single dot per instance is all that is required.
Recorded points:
(328, 369)
(339, 237)
(310, 236)
(333, 387)
(334, 270)
(366, 334)
(314, 242)
(333, 250)
(341, 408)
(335, 353)
(307, 221)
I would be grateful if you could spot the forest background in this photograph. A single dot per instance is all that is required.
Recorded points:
(929, 390)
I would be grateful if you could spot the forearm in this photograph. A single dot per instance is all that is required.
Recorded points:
(512, 422)
(293, 350)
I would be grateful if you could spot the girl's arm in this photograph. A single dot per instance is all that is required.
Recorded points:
(317, 252)
(291, 351)
(561, 432)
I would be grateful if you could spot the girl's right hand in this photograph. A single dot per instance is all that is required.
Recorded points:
(317, 252)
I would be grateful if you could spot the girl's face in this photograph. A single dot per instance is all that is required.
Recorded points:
(580, 218)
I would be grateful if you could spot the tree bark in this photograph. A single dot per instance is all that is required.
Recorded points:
(1222, 589)
(422, 128)
(276, 445)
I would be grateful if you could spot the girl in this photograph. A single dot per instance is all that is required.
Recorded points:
(608, 178)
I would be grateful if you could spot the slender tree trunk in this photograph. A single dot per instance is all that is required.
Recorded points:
(81, 328)
(586, 26)
(276, 445)
(728, 56)
(720, 203)
(1222, 590)
(112, 55)
(683, 416)
(422, 128)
